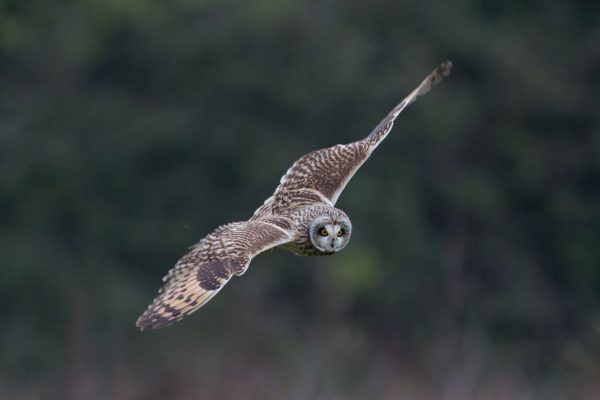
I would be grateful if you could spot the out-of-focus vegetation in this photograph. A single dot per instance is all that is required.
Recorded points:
(130, 129)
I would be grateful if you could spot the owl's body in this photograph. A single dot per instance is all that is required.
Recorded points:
(300, 217)
(298, 221)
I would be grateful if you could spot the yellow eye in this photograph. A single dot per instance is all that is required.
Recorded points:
(340, 232)
(324, 232)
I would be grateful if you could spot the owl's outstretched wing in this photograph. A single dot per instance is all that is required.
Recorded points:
(322, 174)
(208, 266)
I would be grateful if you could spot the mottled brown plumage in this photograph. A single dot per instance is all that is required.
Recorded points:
(203, 271)
(300, 217)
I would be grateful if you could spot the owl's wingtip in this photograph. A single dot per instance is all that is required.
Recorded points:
(151, 320)
(441, 72)
(140, 325)
(148, 321)
(445, 67)
(144, 326)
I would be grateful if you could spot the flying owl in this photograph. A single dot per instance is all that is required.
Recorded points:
(299, 217)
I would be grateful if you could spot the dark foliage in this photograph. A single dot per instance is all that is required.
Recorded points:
(130, 129)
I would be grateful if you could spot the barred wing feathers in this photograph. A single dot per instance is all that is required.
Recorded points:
(207, 267)
(323, 174)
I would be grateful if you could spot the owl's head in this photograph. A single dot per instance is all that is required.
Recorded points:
(330, 235)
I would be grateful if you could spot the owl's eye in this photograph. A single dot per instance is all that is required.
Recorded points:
(324, 232)
(340, 232)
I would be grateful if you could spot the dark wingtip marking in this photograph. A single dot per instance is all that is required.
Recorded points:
(445, 67)
(150, 319)
(142, 325)
(156, 322)
(440, 72)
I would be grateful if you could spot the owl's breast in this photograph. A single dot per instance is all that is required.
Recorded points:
(303, 247)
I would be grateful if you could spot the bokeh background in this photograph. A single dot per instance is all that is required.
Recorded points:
(131, 129)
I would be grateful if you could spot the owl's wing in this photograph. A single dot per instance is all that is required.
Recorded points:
(322, 174)
(208, 266)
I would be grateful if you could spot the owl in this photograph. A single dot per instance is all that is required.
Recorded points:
(299, 217)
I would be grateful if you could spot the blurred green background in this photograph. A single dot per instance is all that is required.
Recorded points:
(130, 129)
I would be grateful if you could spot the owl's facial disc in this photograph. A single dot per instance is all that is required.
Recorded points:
(330, 236)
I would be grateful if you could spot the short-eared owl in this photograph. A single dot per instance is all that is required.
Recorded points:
(300, 217)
